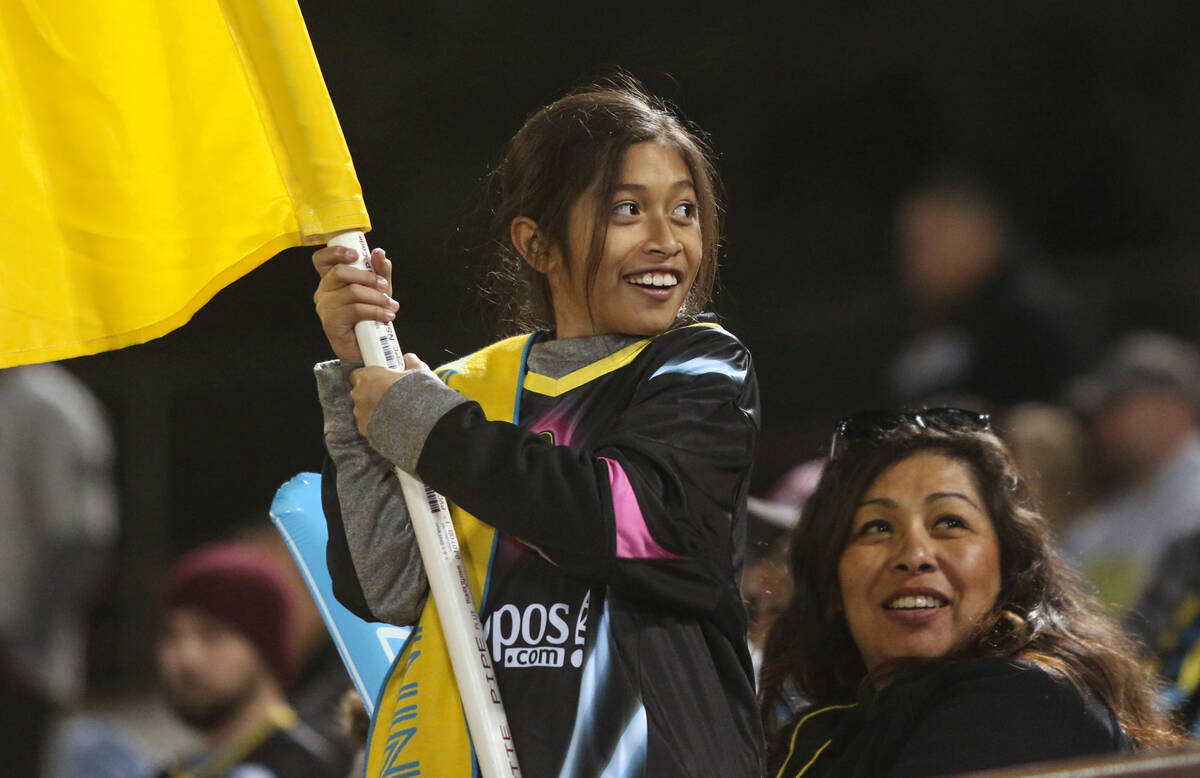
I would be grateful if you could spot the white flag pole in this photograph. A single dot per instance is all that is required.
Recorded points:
(448, 582)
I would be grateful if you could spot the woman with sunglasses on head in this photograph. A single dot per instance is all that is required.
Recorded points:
(934, 629)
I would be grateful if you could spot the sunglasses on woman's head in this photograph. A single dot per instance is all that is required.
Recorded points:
(872, 424)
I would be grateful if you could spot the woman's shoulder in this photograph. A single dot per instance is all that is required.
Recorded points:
(992, 668)
(1006, 683)
(997, 707)
(1005, 674)
(952, 718)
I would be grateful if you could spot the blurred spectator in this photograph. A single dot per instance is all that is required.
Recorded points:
(794, 488)
(1140, 406)
(990, 321)
(58, 522)
(1048, 442)
(1167, 619)
(321, 679)
(225, 656)
(94, 746)
(766, 580)
(356, 726)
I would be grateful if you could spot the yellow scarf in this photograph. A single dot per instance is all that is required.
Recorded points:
(419, 726)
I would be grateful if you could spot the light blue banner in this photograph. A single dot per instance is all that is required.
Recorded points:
(367, 647)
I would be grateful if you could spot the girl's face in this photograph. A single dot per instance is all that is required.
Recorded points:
(651, 253)
(922, 564)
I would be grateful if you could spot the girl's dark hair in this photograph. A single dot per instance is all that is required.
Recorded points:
(566, 147)
(1043, 613)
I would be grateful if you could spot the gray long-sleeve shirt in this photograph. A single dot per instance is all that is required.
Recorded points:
(378, 532)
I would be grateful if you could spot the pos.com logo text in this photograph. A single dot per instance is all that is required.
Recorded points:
(537, 635)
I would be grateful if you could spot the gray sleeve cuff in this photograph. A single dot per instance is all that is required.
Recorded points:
(406, 414)
(379, 534)
(333, 389)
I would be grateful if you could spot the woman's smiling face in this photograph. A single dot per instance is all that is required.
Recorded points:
(921, 566)
(652, 250)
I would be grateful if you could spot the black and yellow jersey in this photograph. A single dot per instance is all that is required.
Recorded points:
(602, 513)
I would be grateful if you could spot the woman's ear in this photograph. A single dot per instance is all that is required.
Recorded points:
(529, 243)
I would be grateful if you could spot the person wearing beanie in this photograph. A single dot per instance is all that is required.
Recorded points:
(225, 657)
(1141, 407)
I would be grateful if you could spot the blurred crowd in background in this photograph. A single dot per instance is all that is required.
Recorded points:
(1104, 427)
(1058, 295)
(1104, 423)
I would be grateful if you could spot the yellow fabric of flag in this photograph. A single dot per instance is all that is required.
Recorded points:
(151, 153)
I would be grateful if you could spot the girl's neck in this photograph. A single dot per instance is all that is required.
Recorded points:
(555, 358)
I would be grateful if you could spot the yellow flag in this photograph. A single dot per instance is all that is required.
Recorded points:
(152, 152)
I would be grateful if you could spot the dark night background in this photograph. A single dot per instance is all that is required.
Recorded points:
(1083, 115)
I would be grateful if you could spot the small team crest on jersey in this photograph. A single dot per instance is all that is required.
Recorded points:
(548, 435)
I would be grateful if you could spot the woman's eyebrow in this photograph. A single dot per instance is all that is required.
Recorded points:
(886, 502)
(939, 495)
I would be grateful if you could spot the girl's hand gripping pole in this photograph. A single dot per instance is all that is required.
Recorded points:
(473, 673)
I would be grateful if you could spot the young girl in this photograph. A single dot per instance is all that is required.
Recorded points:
(597, 467)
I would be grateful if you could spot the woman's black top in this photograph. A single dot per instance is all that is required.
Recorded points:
(975, 715)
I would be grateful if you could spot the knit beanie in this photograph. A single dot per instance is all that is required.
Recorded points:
(238, 584)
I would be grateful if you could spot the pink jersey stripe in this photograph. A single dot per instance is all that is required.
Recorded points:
(634, 540)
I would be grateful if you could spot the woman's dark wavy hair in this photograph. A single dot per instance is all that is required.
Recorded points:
(1043, 613)
(566, 147)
